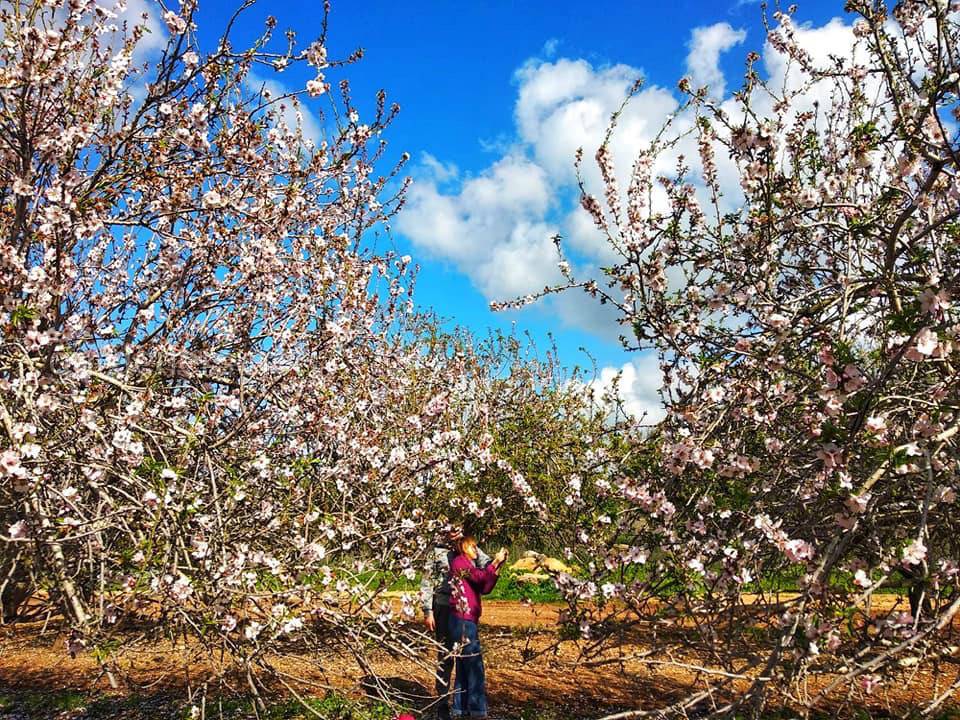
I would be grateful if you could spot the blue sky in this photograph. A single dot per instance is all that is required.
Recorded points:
(495, 96)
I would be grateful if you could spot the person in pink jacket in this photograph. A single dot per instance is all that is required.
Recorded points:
(467, 584)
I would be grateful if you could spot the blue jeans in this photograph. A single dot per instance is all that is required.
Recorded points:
(470, 687)
(441, 616)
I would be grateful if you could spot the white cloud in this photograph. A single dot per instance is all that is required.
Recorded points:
(550, 47)
(638, 387)
(290, 110)
(439, 171)
(567, 104)
(148, 14)
(582, 233)
(119, 26)
(833, 39)
(493, 229)
(496, 226)
(703, 61)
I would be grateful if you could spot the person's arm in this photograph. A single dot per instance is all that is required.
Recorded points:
(426, 594)
(427, 581)
(493, 575)
(482, 579)
(483, 559)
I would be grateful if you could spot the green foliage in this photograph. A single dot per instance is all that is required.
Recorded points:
(36, 703)
(544, 713)
(510, 588)
(22, 314)
(50, 705)
(331, 707)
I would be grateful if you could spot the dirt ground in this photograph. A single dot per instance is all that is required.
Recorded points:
(525, 670)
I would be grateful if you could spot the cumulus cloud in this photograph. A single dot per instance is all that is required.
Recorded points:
(289, 111)
(148, 14)
(703, 61)
(638, 384)
(439, 171)
(496, 225)
(493, 229)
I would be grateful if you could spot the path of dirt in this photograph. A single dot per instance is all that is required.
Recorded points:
(525, 668)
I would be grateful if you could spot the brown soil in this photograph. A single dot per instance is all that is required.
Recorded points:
(525, 668)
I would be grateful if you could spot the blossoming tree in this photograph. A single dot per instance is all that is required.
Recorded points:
(806, 323)
(220, 416)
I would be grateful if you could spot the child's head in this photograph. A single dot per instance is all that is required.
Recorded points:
(453, 534)
(467, 545)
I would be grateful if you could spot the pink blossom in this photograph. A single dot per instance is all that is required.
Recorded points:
(861, 28)
(10, 464)
(291, 626)
(212, 199)
(703, 458)
(876, 424)
(181, 590)
(857, 504)
(798, 550)
(854, 378)
(773, 445)
(252, 630)
(830, 455)
(934, 302)
(150, 499)
(869, 683)
(22, 187)
(316, 54)
(19, 531)
(832, 379)
(914, 553)
(175, 24)
(777, 321)
(926, 342)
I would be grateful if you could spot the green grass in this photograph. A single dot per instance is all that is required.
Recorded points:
(41, 702)
(508, 588)
(84, 706)
(330, 707)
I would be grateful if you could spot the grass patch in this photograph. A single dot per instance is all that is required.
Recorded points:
(331, 707)
(36, 703)
(83, 706)
(509, 588)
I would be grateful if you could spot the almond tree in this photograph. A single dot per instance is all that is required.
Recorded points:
(221, 419)
(807, 332)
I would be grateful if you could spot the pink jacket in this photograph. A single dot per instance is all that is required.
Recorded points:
(467, 584)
